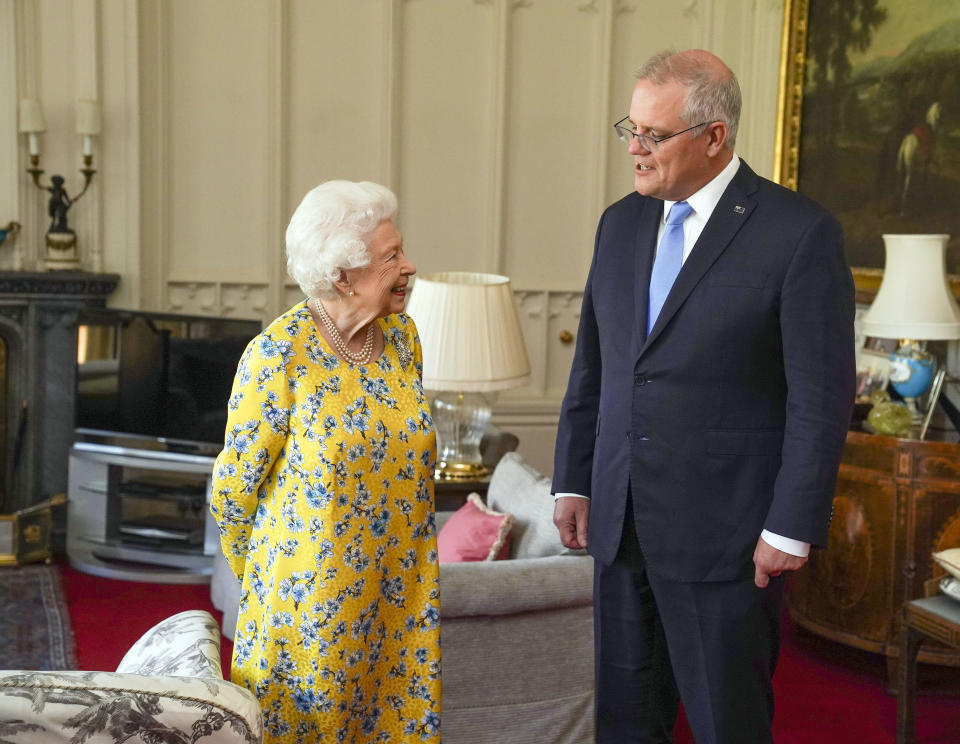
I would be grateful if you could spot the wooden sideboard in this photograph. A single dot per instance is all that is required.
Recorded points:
(897, 501)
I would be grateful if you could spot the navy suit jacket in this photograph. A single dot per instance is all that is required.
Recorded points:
(732, 415)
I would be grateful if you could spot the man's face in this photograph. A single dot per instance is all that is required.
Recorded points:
(678, 167)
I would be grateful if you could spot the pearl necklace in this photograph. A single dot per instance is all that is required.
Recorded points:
(365, 353)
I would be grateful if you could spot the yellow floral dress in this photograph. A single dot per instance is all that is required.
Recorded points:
(324, 498)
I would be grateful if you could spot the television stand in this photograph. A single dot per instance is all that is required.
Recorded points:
(140, 514)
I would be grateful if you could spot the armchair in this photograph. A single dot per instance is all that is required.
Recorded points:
(168, 687)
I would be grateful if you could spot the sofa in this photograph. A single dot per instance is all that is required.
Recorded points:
(517, 634)
(169, 687)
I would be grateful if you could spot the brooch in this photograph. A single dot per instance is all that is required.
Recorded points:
(403, 350)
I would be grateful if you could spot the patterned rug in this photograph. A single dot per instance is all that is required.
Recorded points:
(35, 629)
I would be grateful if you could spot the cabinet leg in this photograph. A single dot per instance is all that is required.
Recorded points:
(906, 679)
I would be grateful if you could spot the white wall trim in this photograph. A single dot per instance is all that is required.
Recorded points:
(390, 73)
(10, 172)
(131, 256)
(497, 144)
(33, 223)
(602, 73)
(709, 25)
(86, 76)
(276, 96)
(164, 174)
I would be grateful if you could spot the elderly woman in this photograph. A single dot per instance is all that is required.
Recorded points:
(323, 491)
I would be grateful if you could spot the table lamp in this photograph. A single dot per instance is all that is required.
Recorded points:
(914, 304)
(472, 348)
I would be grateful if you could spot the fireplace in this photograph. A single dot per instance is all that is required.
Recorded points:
(38, 350)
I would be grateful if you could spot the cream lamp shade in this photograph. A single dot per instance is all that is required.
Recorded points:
(88, 117)
(469, 331)
(914, 300)
(472, 347)
(31, 116)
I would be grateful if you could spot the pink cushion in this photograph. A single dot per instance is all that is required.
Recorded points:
(474, 533)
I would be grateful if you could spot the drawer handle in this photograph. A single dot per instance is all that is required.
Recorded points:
(566, 337)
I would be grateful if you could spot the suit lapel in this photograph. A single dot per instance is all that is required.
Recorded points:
(643, 252)
(731, 213)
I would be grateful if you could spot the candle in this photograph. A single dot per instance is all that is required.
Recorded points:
(33, 142)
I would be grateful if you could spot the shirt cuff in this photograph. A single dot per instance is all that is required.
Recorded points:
(786, 544)
(569, 495)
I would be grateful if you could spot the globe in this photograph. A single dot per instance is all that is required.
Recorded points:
(910, 375)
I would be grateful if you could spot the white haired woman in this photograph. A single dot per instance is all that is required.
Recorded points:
(324, 494)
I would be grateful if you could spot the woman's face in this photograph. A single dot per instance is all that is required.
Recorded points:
(381, 286)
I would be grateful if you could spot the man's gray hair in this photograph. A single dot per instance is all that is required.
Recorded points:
(329, 232)
(709, 97)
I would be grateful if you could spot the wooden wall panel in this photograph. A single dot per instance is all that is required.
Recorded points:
(11, 254)
(447, 100)
(549, 212)
(117, 150)
(217, 139)
(751, 58)
(333, 105)
(639, 31)
(490, 118)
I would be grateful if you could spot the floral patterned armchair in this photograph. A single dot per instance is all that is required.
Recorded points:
(168, 688)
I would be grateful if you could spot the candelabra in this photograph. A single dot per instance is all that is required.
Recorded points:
(61, 240)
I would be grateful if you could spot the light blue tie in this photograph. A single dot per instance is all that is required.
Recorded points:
(667, 264)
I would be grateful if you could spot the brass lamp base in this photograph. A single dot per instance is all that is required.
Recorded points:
(460, 471)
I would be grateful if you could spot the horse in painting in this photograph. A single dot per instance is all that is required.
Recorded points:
(916, 154)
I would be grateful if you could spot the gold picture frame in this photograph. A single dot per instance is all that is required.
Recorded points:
(788, 142)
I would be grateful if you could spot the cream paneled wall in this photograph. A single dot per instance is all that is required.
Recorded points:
(489, 118)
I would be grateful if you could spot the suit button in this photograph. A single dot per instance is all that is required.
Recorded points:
(640, 379)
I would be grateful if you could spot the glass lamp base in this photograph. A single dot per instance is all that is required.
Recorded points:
(915, 415)
(461, 419)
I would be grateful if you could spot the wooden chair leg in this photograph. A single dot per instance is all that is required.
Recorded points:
(893, 670)
(910, 641)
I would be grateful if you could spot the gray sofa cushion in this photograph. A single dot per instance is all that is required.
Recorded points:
(514, 586)
(517, 488)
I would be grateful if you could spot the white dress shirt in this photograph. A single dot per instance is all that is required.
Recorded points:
(703, 203)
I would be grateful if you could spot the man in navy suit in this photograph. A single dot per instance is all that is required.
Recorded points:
(705, 416)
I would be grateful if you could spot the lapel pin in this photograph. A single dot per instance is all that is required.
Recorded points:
(739, 210)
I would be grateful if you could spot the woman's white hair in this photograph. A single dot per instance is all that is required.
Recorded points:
(328, 233)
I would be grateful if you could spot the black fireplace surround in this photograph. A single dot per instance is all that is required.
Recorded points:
(38, 361)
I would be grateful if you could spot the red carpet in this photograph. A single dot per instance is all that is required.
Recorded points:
(108, 616)
(826, 692)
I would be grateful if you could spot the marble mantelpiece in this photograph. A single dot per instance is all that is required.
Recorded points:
(38, 328)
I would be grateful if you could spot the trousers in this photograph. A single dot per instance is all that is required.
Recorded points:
(711, 645)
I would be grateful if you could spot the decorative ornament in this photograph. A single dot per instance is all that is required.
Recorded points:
(403, 350)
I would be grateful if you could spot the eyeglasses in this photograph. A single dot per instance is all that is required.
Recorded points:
(648, 141)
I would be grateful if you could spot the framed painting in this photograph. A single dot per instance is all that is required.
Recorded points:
(869, 121)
